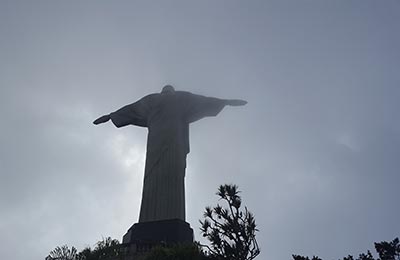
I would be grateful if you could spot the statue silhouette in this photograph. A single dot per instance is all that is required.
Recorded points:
(167, 116)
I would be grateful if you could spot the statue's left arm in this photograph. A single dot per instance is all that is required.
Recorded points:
(235, 102)
(199, 106)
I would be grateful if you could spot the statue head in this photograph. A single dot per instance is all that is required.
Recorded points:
(168, 89)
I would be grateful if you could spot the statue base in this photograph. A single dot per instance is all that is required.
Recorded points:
(170, 231)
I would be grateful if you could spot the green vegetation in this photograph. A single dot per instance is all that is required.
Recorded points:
(231, 230)
(105, 248)
(385, 250)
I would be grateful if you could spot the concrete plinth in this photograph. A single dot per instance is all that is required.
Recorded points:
(171, 231)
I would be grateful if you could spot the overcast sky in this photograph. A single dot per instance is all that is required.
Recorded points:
(315, 152)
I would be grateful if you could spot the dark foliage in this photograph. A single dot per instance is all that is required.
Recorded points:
(105, 248)
(231, 231)
(298, 257)
(63, 253)
(388, 250)
(385, 250)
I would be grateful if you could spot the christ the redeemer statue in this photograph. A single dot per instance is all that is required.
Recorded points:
(167, 116)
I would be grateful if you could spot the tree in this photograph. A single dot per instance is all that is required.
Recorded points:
(388, 250)
(385, 250)
(299, 257)
(105, 248)
(63, 253)
(230, 230)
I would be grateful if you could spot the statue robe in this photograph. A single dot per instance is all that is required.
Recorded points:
(167, 117)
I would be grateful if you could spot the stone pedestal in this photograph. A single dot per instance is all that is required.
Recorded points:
(171, 231)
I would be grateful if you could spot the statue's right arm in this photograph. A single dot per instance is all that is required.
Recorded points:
(102, 119)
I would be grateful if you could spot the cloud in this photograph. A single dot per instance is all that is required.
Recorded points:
(314, 151)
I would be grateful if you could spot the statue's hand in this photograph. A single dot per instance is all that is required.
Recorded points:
(236, 102)
(102, 119)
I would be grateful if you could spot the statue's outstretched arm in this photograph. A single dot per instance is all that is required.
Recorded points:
(102, 119)
(235, 102)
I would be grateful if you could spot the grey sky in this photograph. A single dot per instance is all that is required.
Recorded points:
(315, 152)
